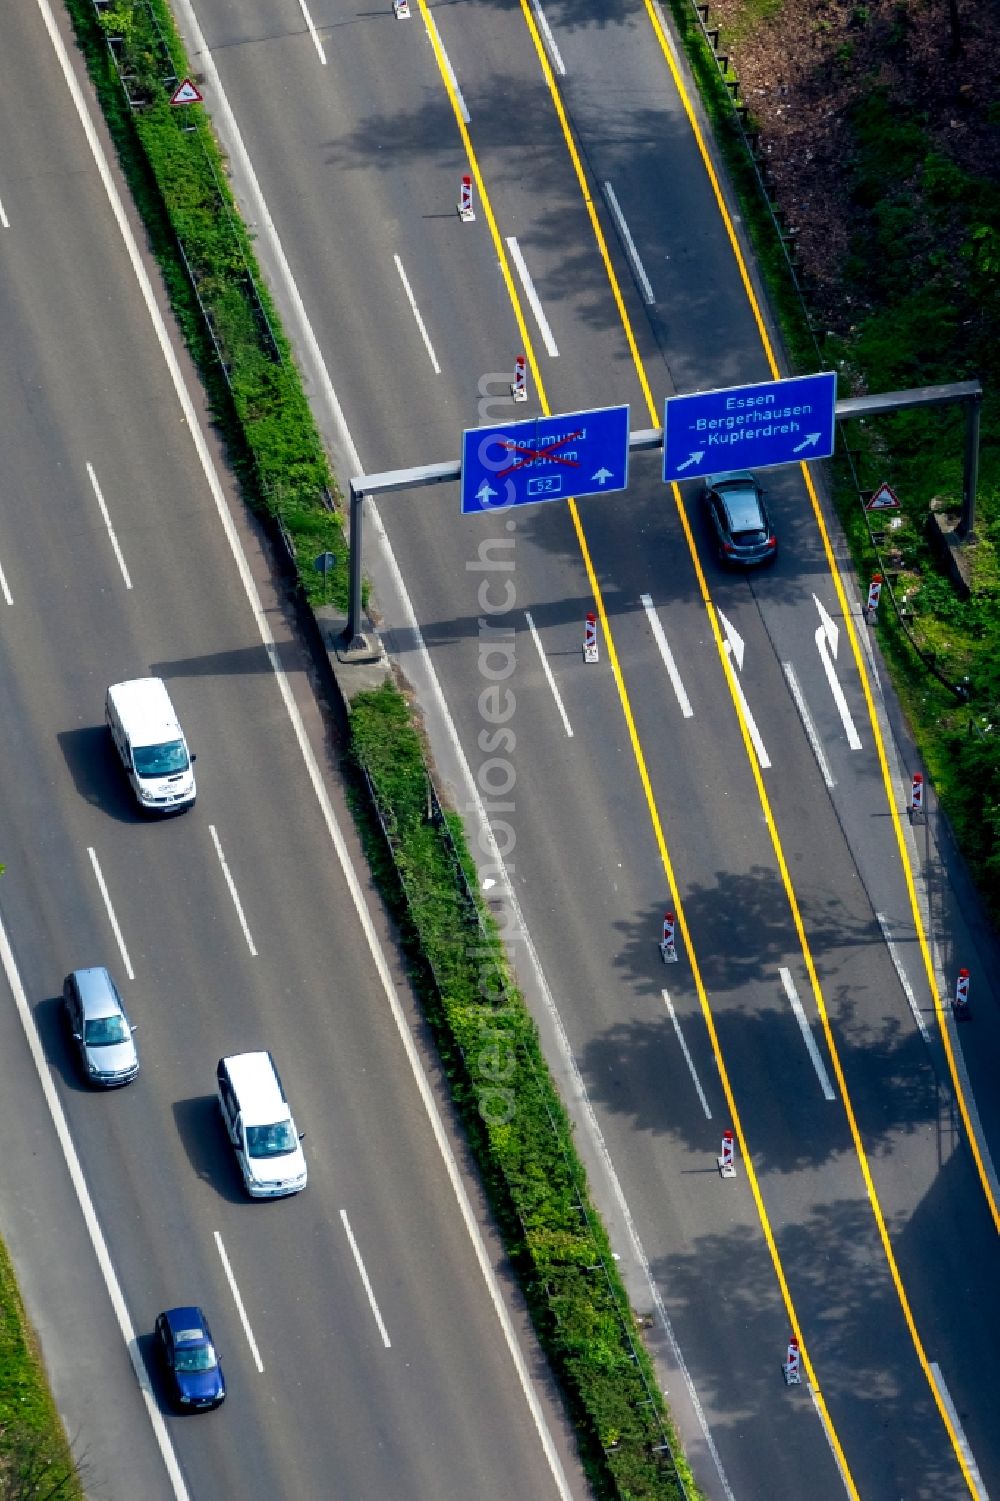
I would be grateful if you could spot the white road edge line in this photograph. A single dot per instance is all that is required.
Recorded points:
(807, 1036)
(963, 1442)
(577, 1092)
(810, 728)
(232, 889)
(548, 674)
(107, 522)
(550, 41)
(824, 1423)
(3, 218)
(364, 1277)
(3, 585)
(312, 31)
(111, 912)
(534, 300)
(240, 1309)
(416, 313)
(431, 26)
(630, 250)
(90, 1219)
(904, 978)
(758, 744)
(687, 1056)
(660, 637)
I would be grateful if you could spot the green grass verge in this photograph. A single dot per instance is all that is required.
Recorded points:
(35, 1458)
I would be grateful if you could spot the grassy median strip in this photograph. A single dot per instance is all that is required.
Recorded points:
(504, 1093)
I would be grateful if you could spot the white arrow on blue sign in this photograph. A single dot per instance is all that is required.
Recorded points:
(545, 458)
(749, 427)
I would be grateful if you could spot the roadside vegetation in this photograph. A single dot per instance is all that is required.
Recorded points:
(36, 1463)
(873, 193)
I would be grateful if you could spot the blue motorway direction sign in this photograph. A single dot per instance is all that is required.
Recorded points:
(545, 458)
(749, 427)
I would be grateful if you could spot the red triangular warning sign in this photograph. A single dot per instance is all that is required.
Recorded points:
(186, 94)
(883, 500)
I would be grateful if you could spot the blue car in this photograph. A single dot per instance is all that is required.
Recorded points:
(192, 1366)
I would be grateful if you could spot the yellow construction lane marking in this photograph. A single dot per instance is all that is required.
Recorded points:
(640, 759)
(852, 635)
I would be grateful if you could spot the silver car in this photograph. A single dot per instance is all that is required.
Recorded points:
(100, 1028)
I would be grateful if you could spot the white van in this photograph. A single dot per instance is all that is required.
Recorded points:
(260, 1125)
(151, 743)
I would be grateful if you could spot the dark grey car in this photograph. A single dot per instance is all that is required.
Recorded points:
(100, 1028)
(739, 520)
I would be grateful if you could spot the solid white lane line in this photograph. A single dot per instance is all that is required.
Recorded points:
(364, 1277)
(824, 1420)
(86, 1203)
(111, 913)
(810, 728)
(629, 243)
(807, 1036)
(550, 41)
(431, 25)
(240, 1309)
(904, 980)
(3, 586)
(532, 296)
(232, 889)
(416, 313)
(752, 729)
(107, 522)
(687, 1056)
(548, 674)
(660, 637)
(312, 31)
(963, 1442)
(3, 218)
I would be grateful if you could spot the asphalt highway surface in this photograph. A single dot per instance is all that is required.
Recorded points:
(731, 757)
(372, 1343)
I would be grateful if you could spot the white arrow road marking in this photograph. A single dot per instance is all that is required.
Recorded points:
(687, 1056)
(807, 1037)
(548, 675)
(828, 636)
(659, 636)
(810, 728)
(629, 243)
(734, 641)
(734, 649)
(532, 296)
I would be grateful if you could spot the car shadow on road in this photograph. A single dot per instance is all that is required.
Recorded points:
(203, 1137)
(97, 772)
(57, 1045)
